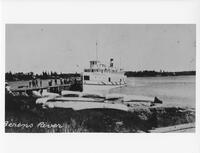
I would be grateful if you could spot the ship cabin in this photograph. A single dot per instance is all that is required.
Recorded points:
(98, 72)
(97, 66)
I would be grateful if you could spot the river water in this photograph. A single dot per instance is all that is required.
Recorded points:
(173, 91)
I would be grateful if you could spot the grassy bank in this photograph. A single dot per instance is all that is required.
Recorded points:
(22, 115)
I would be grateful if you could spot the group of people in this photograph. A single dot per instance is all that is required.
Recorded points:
(35, 83)
(62, 82)
(38, 83)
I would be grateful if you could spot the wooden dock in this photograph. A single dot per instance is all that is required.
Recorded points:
(39, 88)
(187, 128)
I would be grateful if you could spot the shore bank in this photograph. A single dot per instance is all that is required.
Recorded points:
(27, 117)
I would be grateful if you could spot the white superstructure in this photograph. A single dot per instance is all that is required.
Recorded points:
(99, 77)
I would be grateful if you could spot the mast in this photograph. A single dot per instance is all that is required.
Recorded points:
(96, 51)
(120, 64)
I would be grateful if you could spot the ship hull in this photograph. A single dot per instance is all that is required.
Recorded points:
(99, 88)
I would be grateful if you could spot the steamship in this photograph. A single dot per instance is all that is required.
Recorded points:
(101, 78)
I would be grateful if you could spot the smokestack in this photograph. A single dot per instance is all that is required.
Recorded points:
(111, 62)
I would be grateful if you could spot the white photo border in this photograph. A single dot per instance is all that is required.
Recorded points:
(96, 12)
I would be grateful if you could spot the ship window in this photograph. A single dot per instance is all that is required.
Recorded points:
(86, 77)
(109, 79)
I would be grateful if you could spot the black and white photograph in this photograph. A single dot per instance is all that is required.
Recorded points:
(100, 78)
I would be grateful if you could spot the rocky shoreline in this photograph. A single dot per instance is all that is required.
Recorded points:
(23, 115)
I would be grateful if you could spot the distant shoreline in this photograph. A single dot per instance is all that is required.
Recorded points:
(158, 74)
(20, 76)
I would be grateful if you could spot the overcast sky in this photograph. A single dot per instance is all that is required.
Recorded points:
(68, 48)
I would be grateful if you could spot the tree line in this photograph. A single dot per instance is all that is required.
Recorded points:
(157, 73)
(10, 76)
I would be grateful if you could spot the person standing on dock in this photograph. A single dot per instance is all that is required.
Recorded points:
(61, 82)
(36, 83)
(40, 83)
(33, 83)
(55, 81)
(29, 84)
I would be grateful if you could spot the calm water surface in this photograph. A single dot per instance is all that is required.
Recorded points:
(178, 90)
